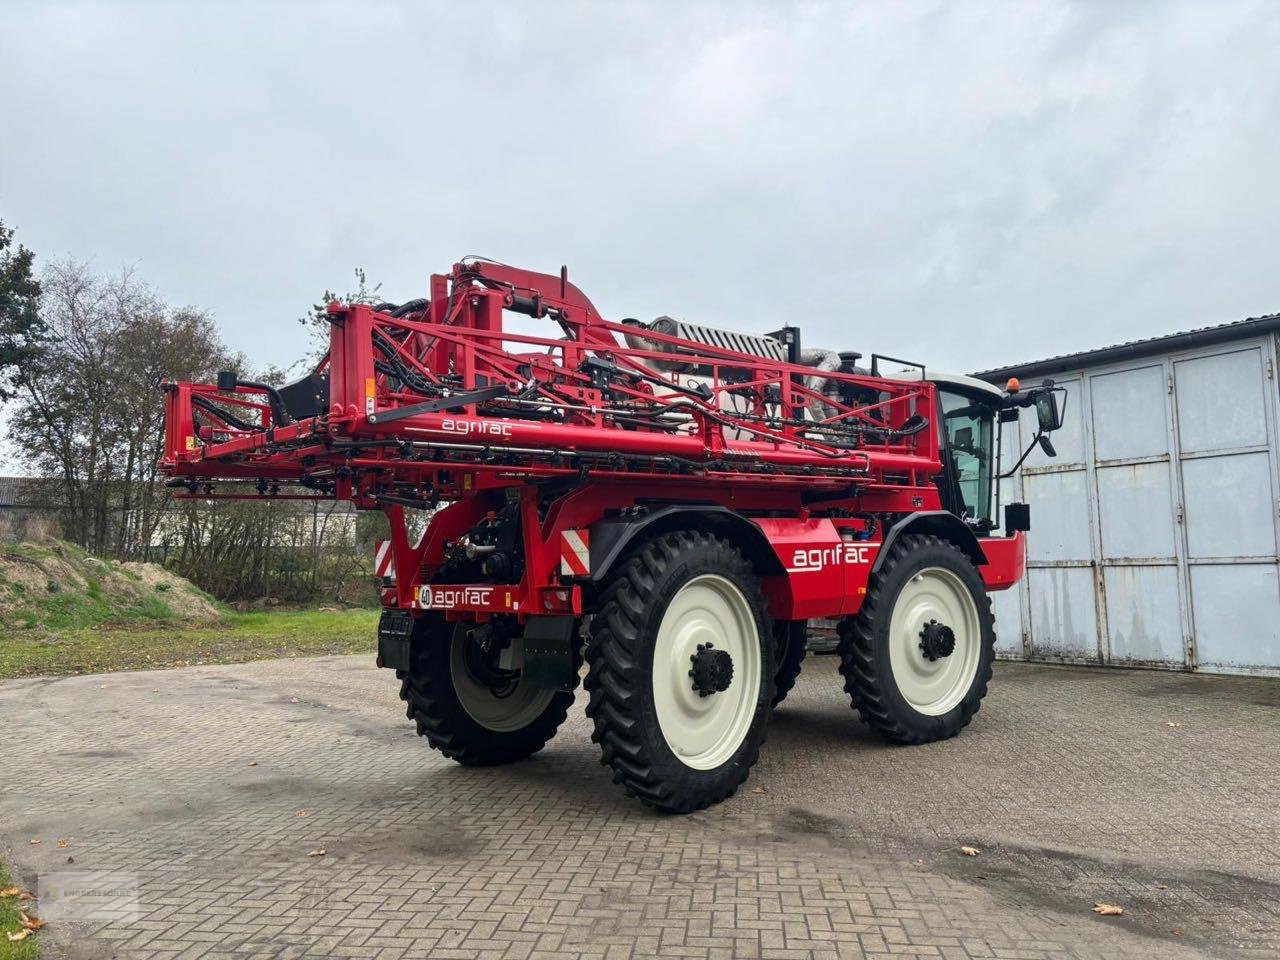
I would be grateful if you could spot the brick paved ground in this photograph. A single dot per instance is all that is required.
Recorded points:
(1070, 781)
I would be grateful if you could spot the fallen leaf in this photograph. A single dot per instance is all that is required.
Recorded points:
(1177, 931)
(302, 813)
(26, 895)
(36, 843)
(1107, 909)
(1161, 886)
(293, 699)
(316, 853)
(970, 851)
(31, 923)
(63, 844)
(253, 763)
(759, 790)
(1173, 724)
(20, 935)
(9, 892)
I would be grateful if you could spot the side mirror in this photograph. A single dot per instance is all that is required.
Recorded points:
(1047, 412)
(1048, 418)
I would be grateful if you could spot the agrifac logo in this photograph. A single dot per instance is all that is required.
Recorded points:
(449, 598)
(806, 560)
(484, 428)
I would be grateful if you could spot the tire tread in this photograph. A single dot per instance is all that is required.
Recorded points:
(865, 682)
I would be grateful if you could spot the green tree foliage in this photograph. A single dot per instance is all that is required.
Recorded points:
(21, 332)
(317, 320)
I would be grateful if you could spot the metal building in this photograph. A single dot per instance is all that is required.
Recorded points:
(1155, 530)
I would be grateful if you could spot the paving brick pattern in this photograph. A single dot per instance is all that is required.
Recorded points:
(1072, 782)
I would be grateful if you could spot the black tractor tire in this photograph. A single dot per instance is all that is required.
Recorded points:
(864, 649)
(791, 643)
(436, 707)
(620, 678)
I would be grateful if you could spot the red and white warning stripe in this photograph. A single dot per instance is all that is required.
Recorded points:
(575, 553)
(384, 565)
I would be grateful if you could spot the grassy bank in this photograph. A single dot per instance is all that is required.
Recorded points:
(9, 907)
(142, 644)
(54, 585)
(65, 612)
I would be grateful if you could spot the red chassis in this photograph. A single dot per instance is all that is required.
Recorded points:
(443, 404)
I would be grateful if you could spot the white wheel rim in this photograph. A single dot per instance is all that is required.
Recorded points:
(501, 714)
(933, 687)
(704, 732)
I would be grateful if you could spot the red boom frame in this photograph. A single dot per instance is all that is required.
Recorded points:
(574, 430)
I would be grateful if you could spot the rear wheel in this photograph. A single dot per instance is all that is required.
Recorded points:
(467, 697)
(917, 657)
(681, 672)
(791, 643)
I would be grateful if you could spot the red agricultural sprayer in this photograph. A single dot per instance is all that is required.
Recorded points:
(671, 502)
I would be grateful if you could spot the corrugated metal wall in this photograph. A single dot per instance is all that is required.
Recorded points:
(1154, 531)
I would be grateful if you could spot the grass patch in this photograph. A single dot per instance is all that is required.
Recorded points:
(9, 907)
(62, 609)
(57, 586)
(150, 642)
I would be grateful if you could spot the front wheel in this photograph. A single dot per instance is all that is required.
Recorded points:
(681, 672)
(917, 657)
(467, 697)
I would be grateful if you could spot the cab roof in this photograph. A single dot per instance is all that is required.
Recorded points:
(958, 380)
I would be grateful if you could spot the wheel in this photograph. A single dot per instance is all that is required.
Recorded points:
(791, 643)
(917, 657)
(680, 690)
(470, 703)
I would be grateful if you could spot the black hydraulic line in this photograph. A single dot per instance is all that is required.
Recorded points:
(412, 378)
(443, 403)
(408, 501)
(411, 306)
(228, 418)
(228, 382)
(910, 427)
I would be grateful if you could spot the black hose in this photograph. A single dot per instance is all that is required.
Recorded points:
(411, 306)
(228, 418)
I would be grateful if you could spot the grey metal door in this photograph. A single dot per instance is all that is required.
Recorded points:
(1225, 408)
(1139, 601)
(1062, 618)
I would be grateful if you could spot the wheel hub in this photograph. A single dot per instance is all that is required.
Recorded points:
(712, 670)
(937, 641)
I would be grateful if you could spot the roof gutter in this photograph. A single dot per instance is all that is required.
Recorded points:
(1207, 336)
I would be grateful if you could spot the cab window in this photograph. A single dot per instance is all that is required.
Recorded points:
(966, 435)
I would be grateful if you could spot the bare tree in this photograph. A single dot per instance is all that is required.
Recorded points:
(90, 412)
(90, 415)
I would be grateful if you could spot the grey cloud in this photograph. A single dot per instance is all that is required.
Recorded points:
(970, 184)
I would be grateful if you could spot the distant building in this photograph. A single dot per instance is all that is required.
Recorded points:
(29, 507)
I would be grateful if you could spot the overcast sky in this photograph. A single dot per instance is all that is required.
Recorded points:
(968, 184)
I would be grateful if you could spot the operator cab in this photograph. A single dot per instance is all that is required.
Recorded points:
(971, 413)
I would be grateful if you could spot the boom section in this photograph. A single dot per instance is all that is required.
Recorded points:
(440, 399)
